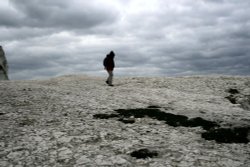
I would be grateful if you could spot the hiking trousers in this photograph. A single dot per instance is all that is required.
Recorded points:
(110, 77)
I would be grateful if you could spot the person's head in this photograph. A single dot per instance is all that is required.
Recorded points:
(112, 54)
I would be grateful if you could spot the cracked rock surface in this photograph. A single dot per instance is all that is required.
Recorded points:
(51, 122)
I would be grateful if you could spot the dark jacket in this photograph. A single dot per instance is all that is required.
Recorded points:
(108, 62)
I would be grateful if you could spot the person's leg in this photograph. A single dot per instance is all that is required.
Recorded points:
(110, 78)
(107, 80)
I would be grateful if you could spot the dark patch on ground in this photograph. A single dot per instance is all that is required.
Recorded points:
(2, 113)
(233, 91)
(236, 97)
(224, 135)
(198, 121)
(232, 99)
(144, 153)
(154, 107)
(213, 132)
(169, 118)
(29, 89)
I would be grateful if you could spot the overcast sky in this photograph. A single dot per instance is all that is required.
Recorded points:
(47, 38)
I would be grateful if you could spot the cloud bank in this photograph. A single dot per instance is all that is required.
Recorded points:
(150, 38)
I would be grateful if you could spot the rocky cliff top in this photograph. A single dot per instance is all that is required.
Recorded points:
(80, 121)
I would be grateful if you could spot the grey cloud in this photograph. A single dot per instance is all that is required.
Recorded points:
(62, 14)
(25, 60)
(9, 18)
(14, 34)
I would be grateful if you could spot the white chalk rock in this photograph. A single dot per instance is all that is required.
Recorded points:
(3, 65)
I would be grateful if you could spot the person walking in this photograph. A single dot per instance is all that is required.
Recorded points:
(109, 66)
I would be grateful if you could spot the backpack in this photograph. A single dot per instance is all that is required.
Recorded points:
(105, 62)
